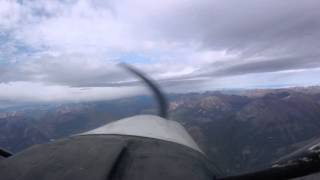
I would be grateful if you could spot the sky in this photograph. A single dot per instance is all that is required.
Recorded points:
(68, 50)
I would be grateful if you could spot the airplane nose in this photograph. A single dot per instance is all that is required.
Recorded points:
(149, 126)
(142, 147)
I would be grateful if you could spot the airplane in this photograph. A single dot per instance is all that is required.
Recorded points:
(142, 147)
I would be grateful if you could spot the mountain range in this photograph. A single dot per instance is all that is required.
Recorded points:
(240, 132)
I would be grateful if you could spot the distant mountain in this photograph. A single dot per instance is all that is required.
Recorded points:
(27, 125)
(262, 92)
(242, 132)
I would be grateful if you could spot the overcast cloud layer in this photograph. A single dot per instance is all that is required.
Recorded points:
(68, 49)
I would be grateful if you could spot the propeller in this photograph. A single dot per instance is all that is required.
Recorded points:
(153, 86)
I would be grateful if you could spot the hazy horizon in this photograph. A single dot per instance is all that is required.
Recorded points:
(228, 91)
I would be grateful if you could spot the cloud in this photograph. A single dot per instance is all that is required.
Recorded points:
(268, 65)
(251, 27)
(184, 44)
(38, 92)
(9, 14)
